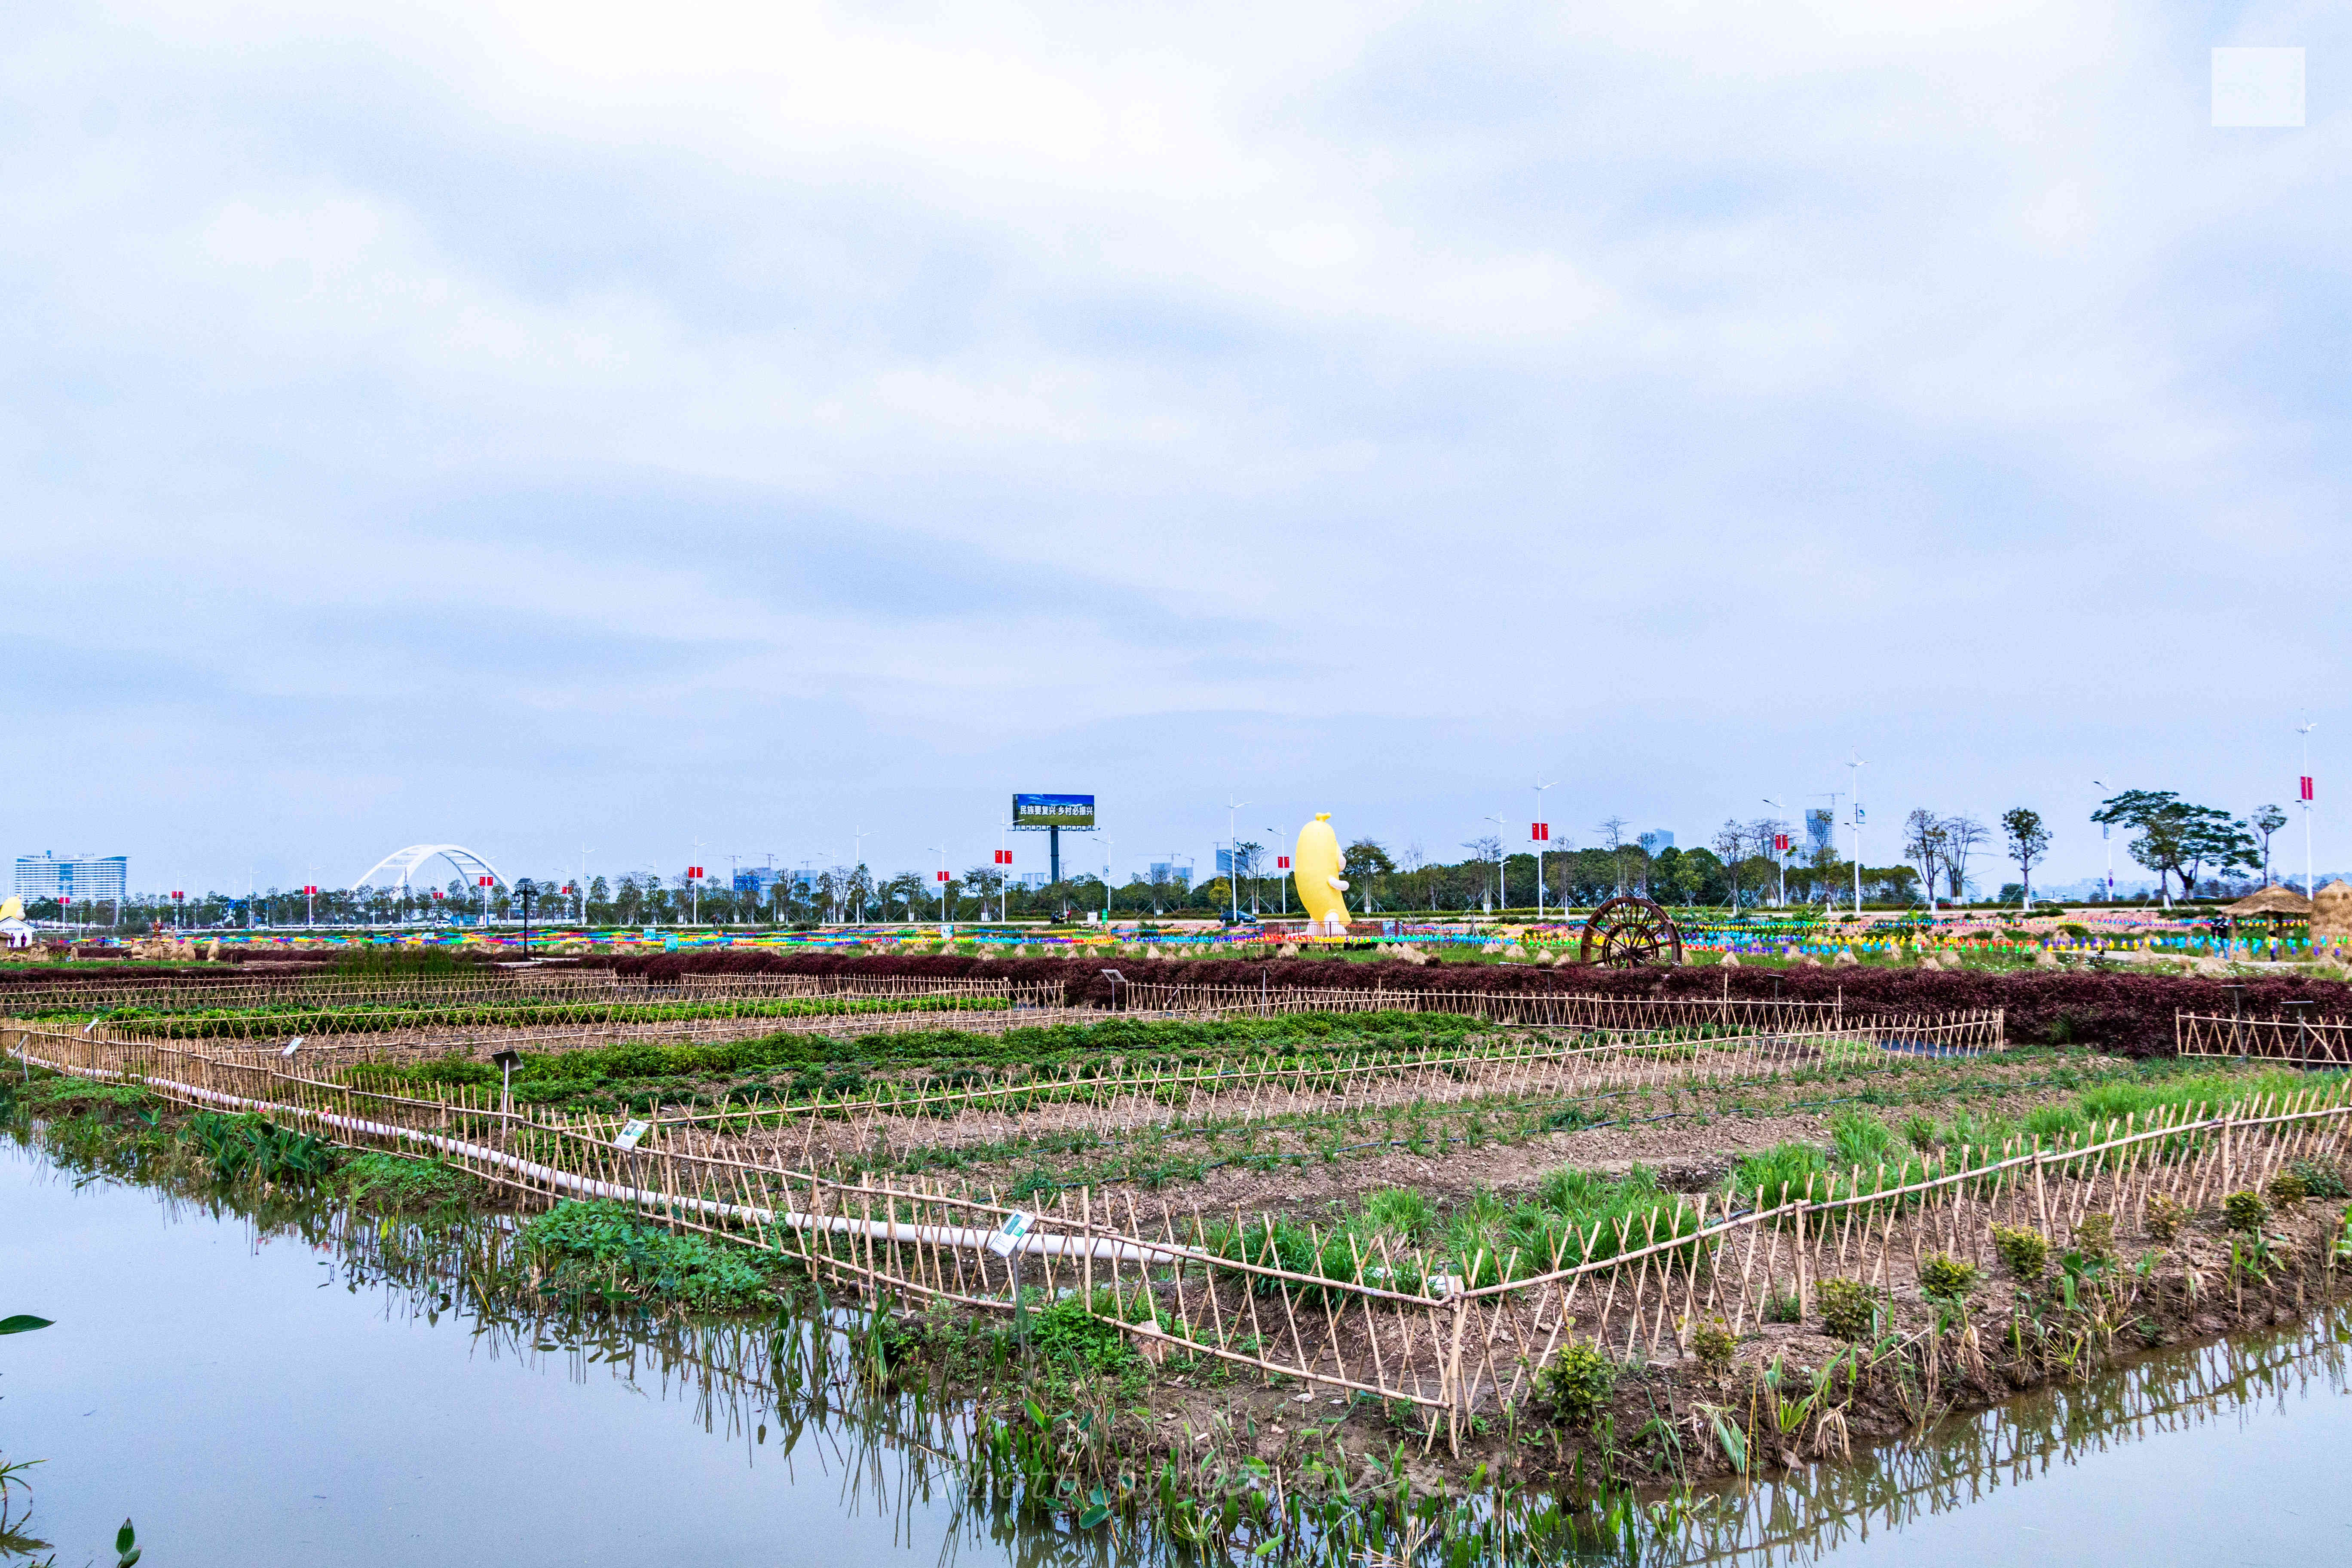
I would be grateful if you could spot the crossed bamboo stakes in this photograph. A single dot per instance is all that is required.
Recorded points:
(1402, 1326)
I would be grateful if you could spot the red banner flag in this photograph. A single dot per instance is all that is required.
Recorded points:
(2306, 786)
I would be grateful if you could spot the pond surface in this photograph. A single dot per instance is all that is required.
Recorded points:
(294, 1394)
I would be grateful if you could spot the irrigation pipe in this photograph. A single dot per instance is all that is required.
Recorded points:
(962, 1237)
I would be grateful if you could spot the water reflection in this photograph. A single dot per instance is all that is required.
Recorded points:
(2061, 1457)
(276, 1381)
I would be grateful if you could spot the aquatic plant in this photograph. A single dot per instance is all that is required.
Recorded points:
(604, 1252)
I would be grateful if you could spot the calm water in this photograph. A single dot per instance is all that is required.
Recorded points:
(272, 1399)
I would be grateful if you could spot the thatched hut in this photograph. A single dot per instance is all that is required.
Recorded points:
(2278, 901)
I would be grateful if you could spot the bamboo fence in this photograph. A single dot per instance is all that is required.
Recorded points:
(1535, 1009)
(1368, 1313)
(2299, 1042)
(521, 986)
(1130, 1095)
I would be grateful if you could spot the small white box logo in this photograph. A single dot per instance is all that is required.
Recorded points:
(2258, 87)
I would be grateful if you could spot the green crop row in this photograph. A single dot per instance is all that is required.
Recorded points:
(215, 1022)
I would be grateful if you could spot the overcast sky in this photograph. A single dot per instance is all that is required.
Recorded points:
(544, 426)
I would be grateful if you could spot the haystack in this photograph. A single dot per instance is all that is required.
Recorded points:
(2331, 913)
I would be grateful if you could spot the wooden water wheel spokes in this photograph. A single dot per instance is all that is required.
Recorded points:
(1627, 933)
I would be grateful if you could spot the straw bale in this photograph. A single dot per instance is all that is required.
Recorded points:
(2331, 913)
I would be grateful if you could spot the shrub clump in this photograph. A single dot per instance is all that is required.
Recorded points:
(2166, 1215)
(1578, 1383)
(2286, 1190)
(393, 1184)
(2243, 1211)
(1713, 1344)
(2095, 1239)
(1849, 1308)
(2025, 1253)
(603, 1251)
(2319, 1179)
(1945, 1278)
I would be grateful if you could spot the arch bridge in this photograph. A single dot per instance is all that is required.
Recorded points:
(403, 863)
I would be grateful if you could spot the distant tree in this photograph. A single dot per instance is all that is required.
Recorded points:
(1962, 836)
(1730, 846)
(1924, 846)
(1485, 852)
(2177, 837)
(1412, 860)
(2265, 821)
(2028, 841)
(1611, 833)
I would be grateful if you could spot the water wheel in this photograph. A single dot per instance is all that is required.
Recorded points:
(1627, 933)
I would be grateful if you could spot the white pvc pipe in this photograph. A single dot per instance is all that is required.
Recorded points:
(963, 1238)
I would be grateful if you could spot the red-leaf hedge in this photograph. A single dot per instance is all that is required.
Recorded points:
(2121, 1014)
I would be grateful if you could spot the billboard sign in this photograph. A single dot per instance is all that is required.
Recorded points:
(1076, 811)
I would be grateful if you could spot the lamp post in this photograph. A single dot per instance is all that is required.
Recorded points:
(940, 851)
(1857, 765)
(1538, 834)
(525, 890)
(1234, 856)
(1281, 864)
(1780, 852)
(1502, 866)
(2305, 729)
(2101, 785)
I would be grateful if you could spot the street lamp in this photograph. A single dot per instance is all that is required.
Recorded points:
(2303, 787)
(1857, 765)
(1502, 866)
(946, 928)
(1780, 852)
(1234, 855)
(524, 891)
(1281, 863)
(1538, 833)
(2101, 785)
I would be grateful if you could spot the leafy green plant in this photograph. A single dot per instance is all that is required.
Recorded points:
(126, 1546)
(1713, 1344)
(247, 1146)
(1578, 1383)
(2095, 1239)
(1945, 1278)
(1849, 1307)
(2244, 1211)
(2166, 1215)
(2319, 1179)
(2025, 1253)
(2285, 1190)
(22, 1324)
(603, 1252)
(395, 1184)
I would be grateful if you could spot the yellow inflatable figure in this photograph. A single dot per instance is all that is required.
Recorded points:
(1316, 863)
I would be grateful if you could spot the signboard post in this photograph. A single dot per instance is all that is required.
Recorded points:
(1053, 813)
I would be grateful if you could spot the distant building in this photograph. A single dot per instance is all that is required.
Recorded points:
(1820, 827)
(84, 879)
(1654, 841)
(757, 880)
(1179, 872)
(1034, 879)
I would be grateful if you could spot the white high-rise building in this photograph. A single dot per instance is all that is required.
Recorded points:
(84, 878)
